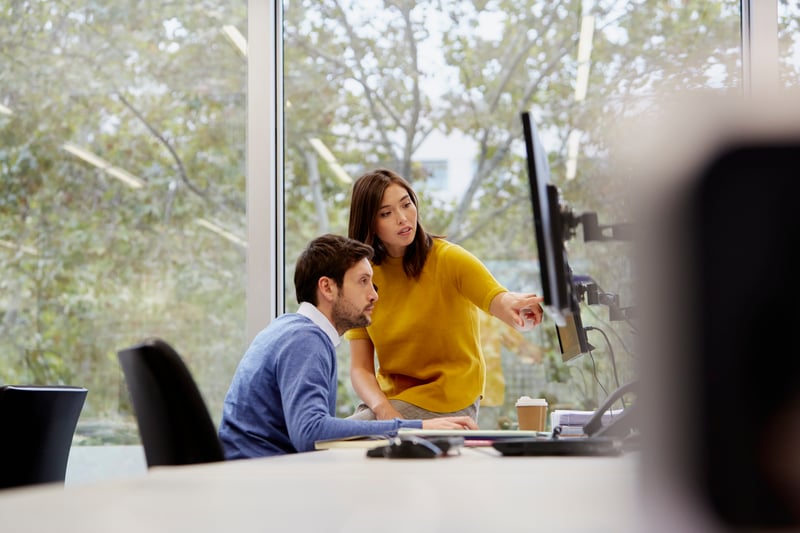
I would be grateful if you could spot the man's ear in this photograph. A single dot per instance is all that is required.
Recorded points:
(326, 288)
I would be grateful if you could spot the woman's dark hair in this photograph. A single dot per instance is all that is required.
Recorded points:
(364, 205)
(329, 256)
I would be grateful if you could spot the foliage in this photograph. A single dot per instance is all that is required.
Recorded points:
(92, 265)
(89, 265)
(374, 84)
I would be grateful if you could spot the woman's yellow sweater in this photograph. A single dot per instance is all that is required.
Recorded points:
(426, 331)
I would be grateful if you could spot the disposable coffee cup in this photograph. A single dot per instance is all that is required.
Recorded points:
(531, 413)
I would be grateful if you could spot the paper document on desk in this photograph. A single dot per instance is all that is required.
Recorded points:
(365, 442)
(473, 434)
(569, 417)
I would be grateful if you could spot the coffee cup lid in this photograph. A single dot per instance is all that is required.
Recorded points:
(527, 400)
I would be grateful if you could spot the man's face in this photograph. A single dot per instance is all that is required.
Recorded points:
(355, 300)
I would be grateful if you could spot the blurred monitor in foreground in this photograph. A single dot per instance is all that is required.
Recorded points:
(721, 377)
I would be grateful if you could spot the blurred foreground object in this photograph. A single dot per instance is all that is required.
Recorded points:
(719, 243)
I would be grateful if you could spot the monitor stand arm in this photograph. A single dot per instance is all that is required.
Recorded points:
(594, 295)
(594, 231)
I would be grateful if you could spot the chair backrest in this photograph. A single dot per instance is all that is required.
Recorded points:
(38, 423)
(174, 423)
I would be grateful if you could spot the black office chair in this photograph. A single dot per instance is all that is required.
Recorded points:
(37, 424)
(174, 423)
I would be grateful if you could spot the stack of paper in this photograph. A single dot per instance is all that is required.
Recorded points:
(360, 441)
(572, 422)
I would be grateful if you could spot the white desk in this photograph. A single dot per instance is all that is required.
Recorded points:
(343, 490)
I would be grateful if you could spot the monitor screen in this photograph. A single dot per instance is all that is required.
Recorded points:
(560, 297)
(572, 338)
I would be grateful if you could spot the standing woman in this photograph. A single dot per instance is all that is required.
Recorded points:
(425, 330)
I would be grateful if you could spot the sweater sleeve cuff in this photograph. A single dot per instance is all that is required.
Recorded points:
(413, 424)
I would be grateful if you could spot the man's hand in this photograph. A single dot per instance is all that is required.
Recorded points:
(450, 422)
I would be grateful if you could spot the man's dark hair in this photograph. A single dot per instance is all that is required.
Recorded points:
(330, 256)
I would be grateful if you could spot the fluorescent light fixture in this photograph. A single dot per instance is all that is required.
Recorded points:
(124, 176)
(584, 55)
(93, 159)
(236, 38)
(573, 143)
(224, 233)
(13, 246)
(5, 110)
(86, 155)
(329, 158)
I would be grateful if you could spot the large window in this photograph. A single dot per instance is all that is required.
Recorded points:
(406, 82)
(125, 212)
(789, 44)
(122, 208)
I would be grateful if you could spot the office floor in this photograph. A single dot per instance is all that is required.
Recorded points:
(93, 463)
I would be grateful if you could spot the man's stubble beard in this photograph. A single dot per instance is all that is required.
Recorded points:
(346, 316)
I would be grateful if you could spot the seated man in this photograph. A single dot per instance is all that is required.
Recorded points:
(283, 396)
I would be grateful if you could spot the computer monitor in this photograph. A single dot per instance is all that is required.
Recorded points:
(572, 338)
(561, 300)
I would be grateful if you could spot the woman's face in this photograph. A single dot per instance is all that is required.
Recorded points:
(396, 221)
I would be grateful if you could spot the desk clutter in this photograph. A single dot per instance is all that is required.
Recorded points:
(430, 444)
(413, 447)
(403, 446)
(572, 422)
